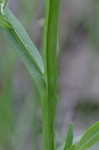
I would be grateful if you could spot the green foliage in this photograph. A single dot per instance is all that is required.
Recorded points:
(45, 76)
(26, 49)
(4, 23)
(69, 138)
(90, 137)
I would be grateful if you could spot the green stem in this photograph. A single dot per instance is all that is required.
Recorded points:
(50, 59)
(48, 131)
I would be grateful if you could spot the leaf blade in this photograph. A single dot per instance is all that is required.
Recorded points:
(25, 47)
(69, 138)
(90, 137)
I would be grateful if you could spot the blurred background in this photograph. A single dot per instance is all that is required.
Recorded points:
(21, 125)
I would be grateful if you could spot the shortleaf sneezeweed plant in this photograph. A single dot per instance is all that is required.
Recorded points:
(44, 73)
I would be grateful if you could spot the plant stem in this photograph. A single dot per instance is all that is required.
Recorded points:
(50, 59)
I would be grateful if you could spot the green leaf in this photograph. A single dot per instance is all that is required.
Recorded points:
(25, 47)
(90, 137)
(69, 138)
(4, 23)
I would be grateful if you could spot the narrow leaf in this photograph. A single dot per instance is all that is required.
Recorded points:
(25, 47)
(90, 137)
(4, 23)
(69, 138)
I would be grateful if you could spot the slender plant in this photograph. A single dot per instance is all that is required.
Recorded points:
(43, 70)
